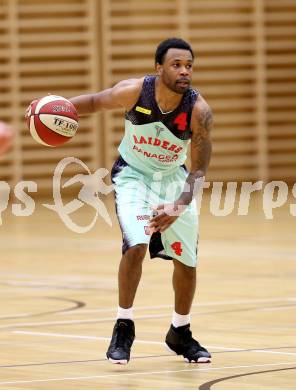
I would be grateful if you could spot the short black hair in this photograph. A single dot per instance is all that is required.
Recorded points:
(170, 43)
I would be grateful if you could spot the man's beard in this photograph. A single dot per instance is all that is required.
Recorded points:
(177, 86)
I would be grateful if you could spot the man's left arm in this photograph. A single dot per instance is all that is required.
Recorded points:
(201, 148)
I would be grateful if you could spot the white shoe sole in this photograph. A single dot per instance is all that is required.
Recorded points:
(199, 360)
(118, 361)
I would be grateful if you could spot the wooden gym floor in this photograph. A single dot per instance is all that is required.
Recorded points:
(59, 298)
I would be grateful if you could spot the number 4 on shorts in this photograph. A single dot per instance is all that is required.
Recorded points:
(177, 248)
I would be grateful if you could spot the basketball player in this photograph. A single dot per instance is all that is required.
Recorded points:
(6, 136)
(162, 115)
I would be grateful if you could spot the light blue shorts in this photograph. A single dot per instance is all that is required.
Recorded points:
(135, 194)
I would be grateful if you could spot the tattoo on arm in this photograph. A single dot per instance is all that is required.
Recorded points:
(205, 122)
(201, 147)
(201, 143)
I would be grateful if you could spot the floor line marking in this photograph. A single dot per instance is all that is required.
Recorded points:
(122, 374)
(231, 349)
(202, 304)
(81, 337)
(95, 320)
(169, 306)
(79, 312)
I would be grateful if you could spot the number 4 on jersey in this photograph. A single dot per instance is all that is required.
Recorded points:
(181, 121)
(177, 248)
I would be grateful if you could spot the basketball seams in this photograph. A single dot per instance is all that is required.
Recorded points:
(34, 133)
(52, 120)
(48, 136)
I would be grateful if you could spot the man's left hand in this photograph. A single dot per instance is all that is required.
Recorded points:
(165, 217)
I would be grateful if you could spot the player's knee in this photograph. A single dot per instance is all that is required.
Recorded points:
(136, 253)
(187, 271)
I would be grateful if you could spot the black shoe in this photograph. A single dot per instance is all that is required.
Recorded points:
(180, 342)
(121, 342)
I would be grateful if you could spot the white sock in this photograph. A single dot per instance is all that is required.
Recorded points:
(180, 319)
(125, 314)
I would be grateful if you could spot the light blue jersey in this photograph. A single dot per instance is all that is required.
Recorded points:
(150, 172)
(155, 141)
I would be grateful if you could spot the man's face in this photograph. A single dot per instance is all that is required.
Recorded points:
(176, 70)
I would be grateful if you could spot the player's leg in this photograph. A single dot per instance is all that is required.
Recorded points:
(184, 285)
(133, 219)
(179, 337)
(180, 242)
(129, 274)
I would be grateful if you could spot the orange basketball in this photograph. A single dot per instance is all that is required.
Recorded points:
(52, 120)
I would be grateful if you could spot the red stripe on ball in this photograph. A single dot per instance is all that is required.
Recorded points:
(60, 107)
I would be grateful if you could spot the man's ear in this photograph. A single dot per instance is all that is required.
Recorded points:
(158, 69)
